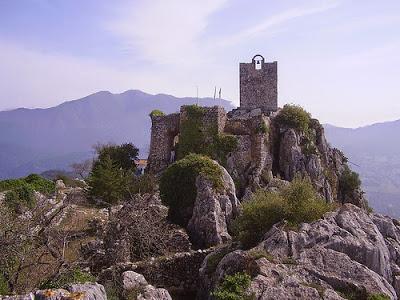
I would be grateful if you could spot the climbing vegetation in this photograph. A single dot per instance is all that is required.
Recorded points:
(178, 185)
(296, 203)
(197, 138)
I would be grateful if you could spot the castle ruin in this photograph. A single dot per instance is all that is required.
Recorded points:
(258, 98)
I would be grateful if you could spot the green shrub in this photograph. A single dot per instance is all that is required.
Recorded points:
(233, 287)
(4, 288)
(34, 181)
(73, 276)
(296, 203)
(262, 128)
(156, 113)
(349, 181)
(378, 297)
(142, 184)
(19, 198)
(178, 185)
(294, 116)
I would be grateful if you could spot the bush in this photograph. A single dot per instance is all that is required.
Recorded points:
(34, 181)
(378, 297)
(156, 113)
(294, 116)
(146, 183)
(73, 276)
(4, 288)
(349, 181)
(178, 185)
(296, 203)
(233, 287)
(19, 198)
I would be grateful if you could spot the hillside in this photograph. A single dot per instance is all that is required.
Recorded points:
(35, 140)
(374, 152)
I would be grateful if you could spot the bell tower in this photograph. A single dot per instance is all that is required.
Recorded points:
(259, 84)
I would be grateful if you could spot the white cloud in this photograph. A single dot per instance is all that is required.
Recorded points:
(165, 32)
(271, 24)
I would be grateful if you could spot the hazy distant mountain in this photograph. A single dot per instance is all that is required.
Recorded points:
(374, 152)
(35, 140)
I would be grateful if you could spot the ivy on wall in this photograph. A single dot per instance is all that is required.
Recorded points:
(196, 137)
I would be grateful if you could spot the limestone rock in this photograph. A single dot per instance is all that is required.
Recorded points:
(88, 291)
(213, 212)
(58, 294)
(347, 252)
(152, 293)
(132, 280)
(29, 296)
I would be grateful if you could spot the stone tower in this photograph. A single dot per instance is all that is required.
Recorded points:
(259, 84)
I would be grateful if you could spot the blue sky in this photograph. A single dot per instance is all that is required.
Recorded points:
(339, 59)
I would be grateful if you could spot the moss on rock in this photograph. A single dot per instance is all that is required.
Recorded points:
(178, 185)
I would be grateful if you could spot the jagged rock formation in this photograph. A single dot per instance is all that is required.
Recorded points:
(266, 150)
(349, 252)
(213, 212)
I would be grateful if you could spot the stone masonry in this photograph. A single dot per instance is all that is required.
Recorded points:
(259, 85)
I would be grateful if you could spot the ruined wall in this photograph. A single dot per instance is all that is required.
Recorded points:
(213, 117)
(259, 87)
(163, 131)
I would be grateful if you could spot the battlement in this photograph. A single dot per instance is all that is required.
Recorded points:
(259, 85)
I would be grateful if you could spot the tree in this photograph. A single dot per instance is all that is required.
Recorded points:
(108, 181)
(124, 156)
(82, 168)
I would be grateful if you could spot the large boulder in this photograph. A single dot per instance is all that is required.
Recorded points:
(213, 212)
(347, 253)
(135, 282)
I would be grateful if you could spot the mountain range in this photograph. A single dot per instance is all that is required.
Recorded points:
(37, 140)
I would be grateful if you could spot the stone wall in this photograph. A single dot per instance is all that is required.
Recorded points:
(214, 117)
(178, 273)
(259, 87)
(163, 131)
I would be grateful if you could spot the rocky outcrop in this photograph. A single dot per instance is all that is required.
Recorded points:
(85, 291)
(135, 282)
(348, 252)
(213, 212)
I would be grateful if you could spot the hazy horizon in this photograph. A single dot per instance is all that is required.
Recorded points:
(338, 59)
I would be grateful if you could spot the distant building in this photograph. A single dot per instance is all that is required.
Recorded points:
(141, 165)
